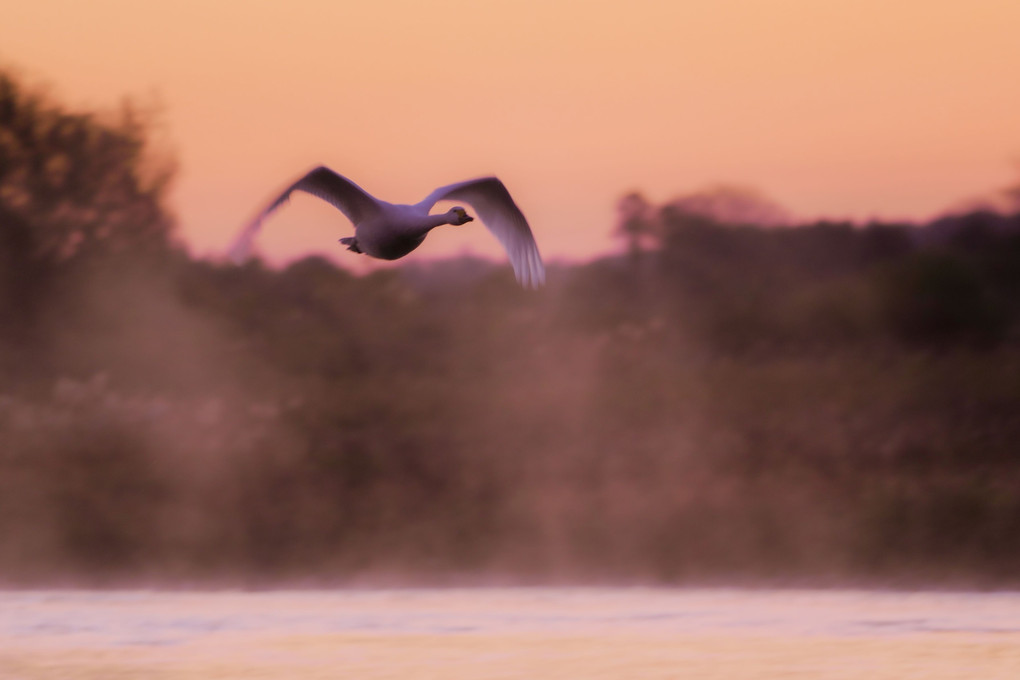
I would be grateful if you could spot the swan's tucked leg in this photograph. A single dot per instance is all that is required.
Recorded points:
(351, 243)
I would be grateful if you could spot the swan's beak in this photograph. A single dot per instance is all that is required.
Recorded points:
(468, 218)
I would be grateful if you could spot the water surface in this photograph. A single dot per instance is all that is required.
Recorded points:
(508, 633)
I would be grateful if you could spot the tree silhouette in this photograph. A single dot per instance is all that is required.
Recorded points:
(75, 188)
(635, 222)
(728, 204)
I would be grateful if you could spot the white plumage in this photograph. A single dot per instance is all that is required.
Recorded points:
(389, 231)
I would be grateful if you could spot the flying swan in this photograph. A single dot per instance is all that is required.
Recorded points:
(389, 231)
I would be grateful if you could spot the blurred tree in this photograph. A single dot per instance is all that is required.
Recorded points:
(75, 188)
(729, 204)
(636, 223)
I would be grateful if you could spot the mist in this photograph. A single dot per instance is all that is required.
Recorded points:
(736, 398)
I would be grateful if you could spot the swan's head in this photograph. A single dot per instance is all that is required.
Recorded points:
(459, 216)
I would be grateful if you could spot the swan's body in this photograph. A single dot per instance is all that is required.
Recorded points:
(389, 231)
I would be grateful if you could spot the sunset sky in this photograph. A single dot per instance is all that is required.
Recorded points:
(836, 108)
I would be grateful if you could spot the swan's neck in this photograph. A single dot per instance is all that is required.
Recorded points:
(433, 221)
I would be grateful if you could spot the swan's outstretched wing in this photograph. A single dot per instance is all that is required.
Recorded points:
(497, 210)
(348, 197)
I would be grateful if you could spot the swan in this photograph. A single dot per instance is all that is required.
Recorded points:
(389, 231)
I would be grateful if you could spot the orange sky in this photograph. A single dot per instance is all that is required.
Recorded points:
(841, 108)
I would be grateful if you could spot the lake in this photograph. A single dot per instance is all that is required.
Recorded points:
(508, 633)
